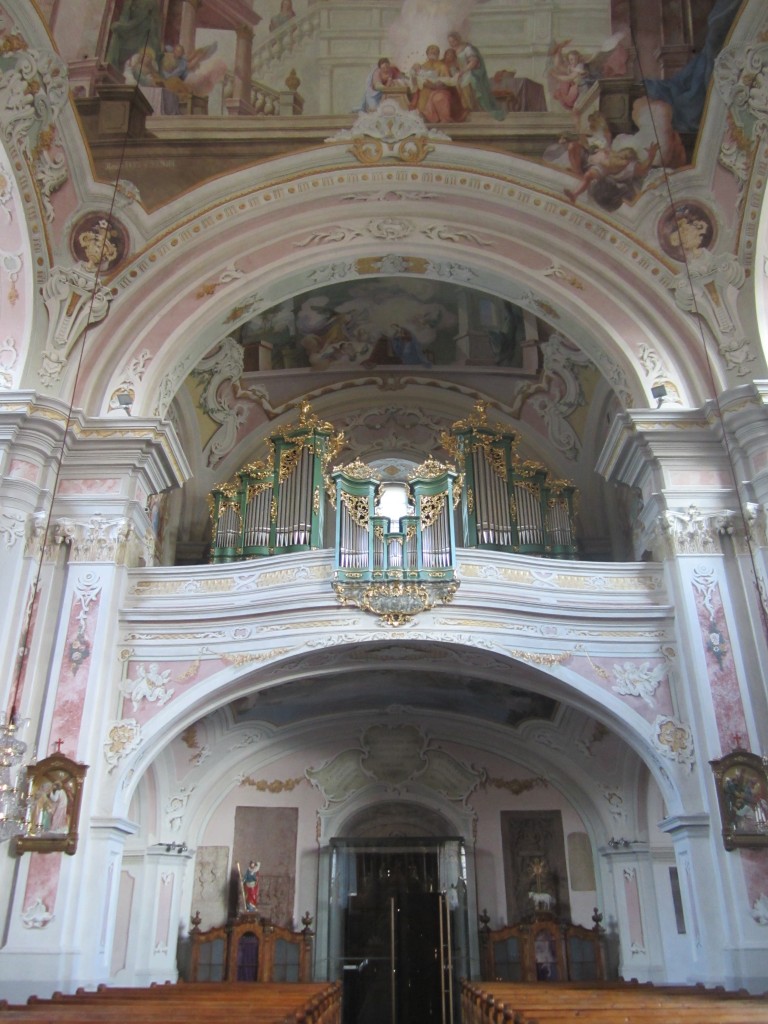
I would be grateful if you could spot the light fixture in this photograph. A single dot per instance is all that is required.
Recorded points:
(13, 781)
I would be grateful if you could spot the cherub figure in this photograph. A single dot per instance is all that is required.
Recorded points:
(573, 73)
(99, 251)
(613, 174)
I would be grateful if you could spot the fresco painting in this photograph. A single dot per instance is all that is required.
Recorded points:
(596, 84)
(389, 323)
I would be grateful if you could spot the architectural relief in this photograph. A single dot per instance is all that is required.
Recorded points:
(673, 739)
(123, 738)
(560, 374)
(394, 755)
(222, 398)
(176, 806)
(658, 376)
(741, 78)
(633, 680)
(12, 526)
(36, 915)
(710, 287)
(11, 264)
(227, 276)
(390, 133)
(8, 360)
(75, 300)
(33, 90)
(760, 910)
(149, 684)
(98, 540)
(694, 532)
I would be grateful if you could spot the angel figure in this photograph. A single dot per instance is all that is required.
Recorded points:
(182, 75)
(572, 73)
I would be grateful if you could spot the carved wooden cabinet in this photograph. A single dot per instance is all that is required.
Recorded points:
(250, 949)
(542, 950)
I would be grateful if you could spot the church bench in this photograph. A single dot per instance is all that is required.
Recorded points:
(268, 1003)
(520, 1003)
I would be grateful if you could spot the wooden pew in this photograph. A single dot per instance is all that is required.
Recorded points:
(608, 1003)
(203, 1003)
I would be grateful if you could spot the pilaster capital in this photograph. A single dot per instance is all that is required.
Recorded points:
(99, 539)
(687, 826)
(695, 532)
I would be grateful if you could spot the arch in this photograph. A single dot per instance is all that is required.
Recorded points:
(514, 263)
(552, 681)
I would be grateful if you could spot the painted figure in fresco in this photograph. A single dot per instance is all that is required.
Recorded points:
(59, 800)
(406, 348)
(176, 75)
(572, 73)
(688, 232)
(614, 174)
(251, 885)
(474, 84)
(381, 79)
(42, 808)
(686, 91)
(136, 29)
(435, 92)
(747, 800)
(283, 16)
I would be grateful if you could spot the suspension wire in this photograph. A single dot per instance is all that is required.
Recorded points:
(761, 596)
(23, 648)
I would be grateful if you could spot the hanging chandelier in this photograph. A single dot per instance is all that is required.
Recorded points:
(13, 781)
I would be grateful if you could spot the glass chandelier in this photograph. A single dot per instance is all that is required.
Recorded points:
(13, 781)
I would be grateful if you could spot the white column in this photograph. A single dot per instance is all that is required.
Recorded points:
(152, 886)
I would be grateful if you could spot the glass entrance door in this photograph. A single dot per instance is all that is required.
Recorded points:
(398, 928)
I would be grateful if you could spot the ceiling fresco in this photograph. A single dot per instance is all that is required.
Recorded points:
(589, 111)
(591, 88)
(301, 700)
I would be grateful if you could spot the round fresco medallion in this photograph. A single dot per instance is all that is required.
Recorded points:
(686, 230)
(100, 242)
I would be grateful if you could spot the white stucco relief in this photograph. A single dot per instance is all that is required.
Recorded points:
(741, 78)
(394, 756)
(33, 92)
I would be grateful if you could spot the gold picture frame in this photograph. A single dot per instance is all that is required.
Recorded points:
(742, 791)
(55, 788)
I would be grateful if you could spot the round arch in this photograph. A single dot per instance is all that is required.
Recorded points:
(198, 280)
(679, 788)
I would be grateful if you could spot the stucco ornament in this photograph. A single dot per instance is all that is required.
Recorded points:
(693, 532)
(760, 909)
(710, 287)
(222, 398)
(75, 299)
(633, 680)
(673, 739)
(122, 738)
(37, 915)
(741, 78)
(390, 133)
(393, 756)
(150, 685)
(11, 527)
(100, 539)
(33, 92)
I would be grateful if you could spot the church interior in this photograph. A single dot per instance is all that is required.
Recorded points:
(384, 519)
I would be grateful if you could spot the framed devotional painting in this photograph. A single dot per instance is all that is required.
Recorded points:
(55, 788)
(742, 790)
